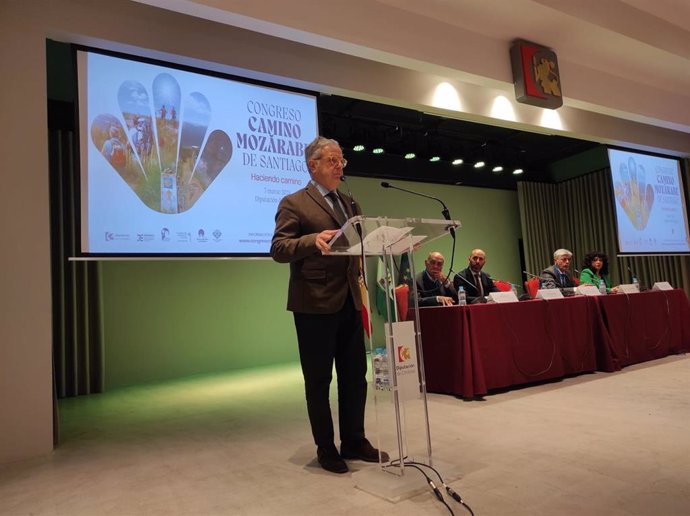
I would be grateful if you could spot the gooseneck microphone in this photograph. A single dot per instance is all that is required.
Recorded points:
(445, 212)
(531, 275)
(353, 204)
(634, 278)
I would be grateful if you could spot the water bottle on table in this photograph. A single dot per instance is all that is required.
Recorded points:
(462, 298)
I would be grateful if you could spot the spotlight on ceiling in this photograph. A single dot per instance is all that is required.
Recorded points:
(497, 169)
(410, 155)
(479, 164)
(457, 161)
(378, 150)
(358, 148)
(517, 171)
(435, 158)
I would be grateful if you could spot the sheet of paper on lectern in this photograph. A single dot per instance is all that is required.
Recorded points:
(402, 246)
(383, 236)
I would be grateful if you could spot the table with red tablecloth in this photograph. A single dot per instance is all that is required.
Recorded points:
(646, 326)
(469, 350)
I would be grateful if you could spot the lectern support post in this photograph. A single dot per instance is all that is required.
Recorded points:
(397, 364)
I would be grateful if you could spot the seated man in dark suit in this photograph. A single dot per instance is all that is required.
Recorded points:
(433, 287)
(558, 275)
(477, 284)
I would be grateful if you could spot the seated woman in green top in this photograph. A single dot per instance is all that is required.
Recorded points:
(595, 270)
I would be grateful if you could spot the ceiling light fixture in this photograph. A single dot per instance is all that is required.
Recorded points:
(377, 150)
(457, 161)
(517, 171)
(479, 164)
(410, 155)
(435, 158)
(358, 148)
(497, 169)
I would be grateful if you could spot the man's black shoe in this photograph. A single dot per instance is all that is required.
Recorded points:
(330, 459)
(362, 450)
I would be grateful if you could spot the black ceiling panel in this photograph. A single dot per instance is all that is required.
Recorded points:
(400, 131)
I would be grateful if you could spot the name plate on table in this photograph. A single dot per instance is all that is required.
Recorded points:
(502, 297)
(629, 288)
(549, 293)
(662, 285)
(588, 290)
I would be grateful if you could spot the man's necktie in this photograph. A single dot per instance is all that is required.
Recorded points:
(339, 214)
(478, 284)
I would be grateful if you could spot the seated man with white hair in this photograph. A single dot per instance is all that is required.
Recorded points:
(558, 275)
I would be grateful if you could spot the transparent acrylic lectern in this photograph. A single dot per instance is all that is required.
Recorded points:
(394, 341)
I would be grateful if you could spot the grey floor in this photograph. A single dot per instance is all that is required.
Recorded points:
(598, 444)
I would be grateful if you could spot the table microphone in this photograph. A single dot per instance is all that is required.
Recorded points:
(466, 282)
(634, 278)
(531, 275)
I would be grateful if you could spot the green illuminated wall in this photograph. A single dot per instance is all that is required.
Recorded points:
(167, 319)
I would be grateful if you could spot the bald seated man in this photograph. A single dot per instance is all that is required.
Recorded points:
(477, 283)
(433, 287)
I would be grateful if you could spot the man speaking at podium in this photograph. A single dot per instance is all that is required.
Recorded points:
(324, 296)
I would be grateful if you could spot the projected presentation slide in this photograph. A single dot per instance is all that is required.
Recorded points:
(185, 163)
(650, 205)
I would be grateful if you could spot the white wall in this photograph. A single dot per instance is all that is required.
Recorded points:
(25, 303)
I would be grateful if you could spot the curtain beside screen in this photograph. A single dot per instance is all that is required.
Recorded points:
(579, 215)
(77, 332)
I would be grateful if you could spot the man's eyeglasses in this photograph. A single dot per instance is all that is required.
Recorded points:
(334, 160)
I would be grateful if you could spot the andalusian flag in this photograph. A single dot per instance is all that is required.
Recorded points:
(381, 287)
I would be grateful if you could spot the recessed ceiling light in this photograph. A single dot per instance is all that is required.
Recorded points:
(517, 171)
(457, 161)
(497, 169)
(479, 164)
(435, 158)
(377, 150)
(358, 148)
(410, 155)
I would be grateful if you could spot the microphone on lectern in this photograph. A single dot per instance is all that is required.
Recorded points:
(353, 204)
(445, 211)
